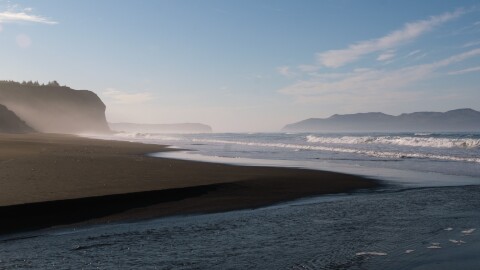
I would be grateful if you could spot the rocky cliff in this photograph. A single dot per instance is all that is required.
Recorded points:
(55, 109)
(11, 123)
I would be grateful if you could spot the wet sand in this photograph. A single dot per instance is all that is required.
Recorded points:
(49, 180)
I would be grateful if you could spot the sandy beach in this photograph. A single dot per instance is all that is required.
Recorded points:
(50, 179)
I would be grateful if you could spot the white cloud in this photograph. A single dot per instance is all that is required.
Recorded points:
(285, 71)
(121, 97)
(457, 58)
(371, 83)
(412, 53)
(463, 71)
(386, 55)
(409, 32)
(15, 17)
(357, 82)
(471, 44)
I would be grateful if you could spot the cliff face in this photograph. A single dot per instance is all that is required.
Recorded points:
(10, 123)
(55, 109)
(455, 120)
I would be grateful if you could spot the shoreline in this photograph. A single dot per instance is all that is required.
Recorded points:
(50, 180)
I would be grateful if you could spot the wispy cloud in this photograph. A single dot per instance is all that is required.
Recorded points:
(463, 71)
(285, 71)
(371, 83)
(471, 44)
(412, 53)
(121, 97)
(409, 32)
(388, 55)
(23, 16)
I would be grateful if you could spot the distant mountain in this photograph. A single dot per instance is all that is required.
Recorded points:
(11, 123)
(54, 108)
(455, 120)
(161, 128)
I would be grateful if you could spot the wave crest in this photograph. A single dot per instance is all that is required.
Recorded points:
(139, 135)
(398, 140)
(372, 153)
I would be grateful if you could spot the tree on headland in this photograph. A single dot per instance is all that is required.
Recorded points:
(53, 83)
(30, 83)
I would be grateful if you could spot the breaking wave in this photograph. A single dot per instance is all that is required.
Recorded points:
(139, 135)
(371, 153)
(399, 140)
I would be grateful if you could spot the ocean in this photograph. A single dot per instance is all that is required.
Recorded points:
(419, 159)
(426, 217)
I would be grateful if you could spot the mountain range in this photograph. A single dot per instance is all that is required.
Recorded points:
(454, 120)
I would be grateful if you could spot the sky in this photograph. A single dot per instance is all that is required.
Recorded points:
(250, 65)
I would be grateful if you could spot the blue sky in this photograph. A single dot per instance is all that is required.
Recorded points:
(248, 65)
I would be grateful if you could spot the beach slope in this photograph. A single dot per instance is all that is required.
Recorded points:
(49, 179)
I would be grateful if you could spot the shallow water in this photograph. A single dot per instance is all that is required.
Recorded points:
(328, 232)
(454, 154)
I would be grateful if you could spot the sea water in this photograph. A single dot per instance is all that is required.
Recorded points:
(424, 226)
(426, 158)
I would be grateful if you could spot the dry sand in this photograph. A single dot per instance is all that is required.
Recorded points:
(49, 179)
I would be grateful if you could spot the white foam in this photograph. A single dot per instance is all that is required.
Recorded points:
(399, 140)
(408, 251)
(469, 231)
(448, 229)
(434, 246)
(372, 153)
(371, 253)
(139, 135)
(458, 242)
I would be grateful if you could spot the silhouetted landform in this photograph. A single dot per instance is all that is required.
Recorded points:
(53, 108)
(161, 128)
(455, 120)
(11, 123)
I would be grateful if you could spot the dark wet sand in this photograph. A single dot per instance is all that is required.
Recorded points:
(48, 180)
